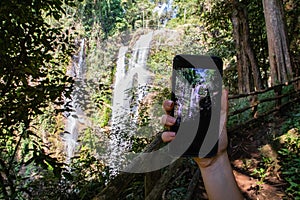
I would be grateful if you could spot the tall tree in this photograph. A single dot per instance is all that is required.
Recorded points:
(279, 56)
(248, 71)
(231, 19)
(258, 37)
(109, 14)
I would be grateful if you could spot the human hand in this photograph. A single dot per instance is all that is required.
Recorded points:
(168, 136)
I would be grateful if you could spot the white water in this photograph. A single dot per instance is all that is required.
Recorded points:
(125, 104)
(74, 117)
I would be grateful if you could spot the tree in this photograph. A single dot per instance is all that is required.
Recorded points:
(188, 11)
(279, 56)
(228, 21)
(108, 14)
(248, 71)
(137, 13)
(292, 10)
(33, 56)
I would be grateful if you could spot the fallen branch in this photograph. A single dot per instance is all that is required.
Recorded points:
(192, 185)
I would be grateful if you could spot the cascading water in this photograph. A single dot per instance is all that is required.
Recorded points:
(74, 117)
(125, 103)
(132, 83)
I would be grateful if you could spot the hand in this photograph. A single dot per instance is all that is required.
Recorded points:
(168, 136)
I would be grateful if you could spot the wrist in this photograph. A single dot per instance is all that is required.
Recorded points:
(212, 162)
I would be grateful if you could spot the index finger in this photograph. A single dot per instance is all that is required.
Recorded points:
(168, 105)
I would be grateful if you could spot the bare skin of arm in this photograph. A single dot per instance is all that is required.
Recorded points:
(217, 173)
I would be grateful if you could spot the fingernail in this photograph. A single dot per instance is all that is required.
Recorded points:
(170, 103)
(172, 134)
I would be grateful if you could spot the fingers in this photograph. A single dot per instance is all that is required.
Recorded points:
(168, 120)
(168, 105)
(168, 136)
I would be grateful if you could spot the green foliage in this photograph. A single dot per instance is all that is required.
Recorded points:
(292, 9)
(87, 175)
(215, 37)
(268, 163)
(266, 106)
(33, 56)
(113, 17)
(261, 173)
(292, 122)
(35, 48)
(135, 190)
(237, 104)
(230, 78)
(82, 179)
(177, 188)
(289, 152)
(262, 108)
(258, 36)
(187, 12)
(99, 79)
(290, 161)
(109, 14)
(137, 12)
(218, 29)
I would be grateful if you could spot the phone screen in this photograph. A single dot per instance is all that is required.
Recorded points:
(192, 91)
(196, 91)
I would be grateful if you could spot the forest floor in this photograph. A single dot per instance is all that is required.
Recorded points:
(255, 160)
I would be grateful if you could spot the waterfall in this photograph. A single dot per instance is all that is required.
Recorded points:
(138, 64)
(75, 116)
(133, 76)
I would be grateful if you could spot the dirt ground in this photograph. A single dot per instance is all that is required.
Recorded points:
(249, 148)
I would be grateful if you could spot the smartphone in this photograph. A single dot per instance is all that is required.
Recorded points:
(196, 92)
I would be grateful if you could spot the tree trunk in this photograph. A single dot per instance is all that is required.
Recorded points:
(280, 61)
(249, 77)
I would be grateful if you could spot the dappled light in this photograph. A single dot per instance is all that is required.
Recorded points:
(83, 87)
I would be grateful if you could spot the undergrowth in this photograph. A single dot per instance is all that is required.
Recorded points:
(290, 154)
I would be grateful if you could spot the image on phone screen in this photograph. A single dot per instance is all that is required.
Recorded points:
(192, 91)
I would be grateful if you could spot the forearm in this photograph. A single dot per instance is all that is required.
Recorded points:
(218, 178)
